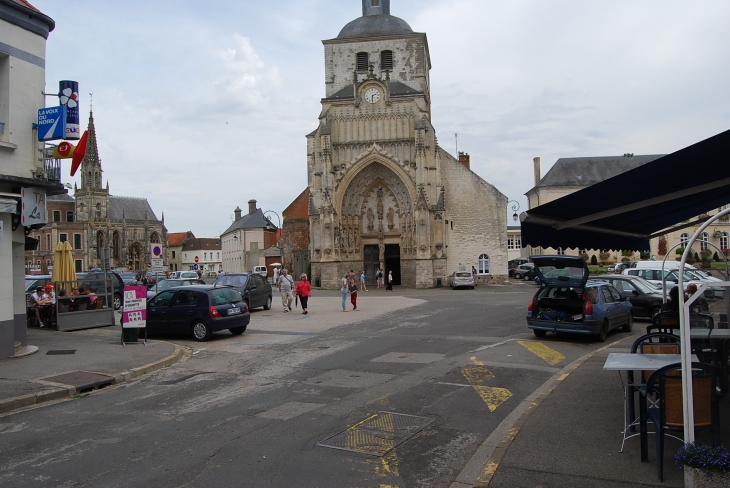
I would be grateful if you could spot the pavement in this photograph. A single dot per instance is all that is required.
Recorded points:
(567, 433)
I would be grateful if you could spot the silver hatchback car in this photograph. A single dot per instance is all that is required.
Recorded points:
(462, 279)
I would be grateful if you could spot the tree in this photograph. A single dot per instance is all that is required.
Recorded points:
(594, 260)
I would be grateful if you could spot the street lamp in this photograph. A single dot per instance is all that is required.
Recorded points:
(281, 250)
(515, 208)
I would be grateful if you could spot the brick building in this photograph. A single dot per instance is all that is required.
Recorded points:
(62, 226)
(295, 234)
(382, 193)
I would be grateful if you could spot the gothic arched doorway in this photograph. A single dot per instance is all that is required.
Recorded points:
(136, 257)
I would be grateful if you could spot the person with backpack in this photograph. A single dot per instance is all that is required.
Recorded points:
(379, 278)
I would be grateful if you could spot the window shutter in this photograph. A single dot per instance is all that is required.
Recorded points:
(362, 61)
(386, 61)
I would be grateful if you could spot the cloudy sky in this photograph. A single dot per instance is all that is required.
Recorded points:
(202, 106)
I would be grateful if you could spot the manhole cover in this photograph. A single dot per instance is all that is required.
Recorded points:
(378, 434)
(83, 380)
(60, 351)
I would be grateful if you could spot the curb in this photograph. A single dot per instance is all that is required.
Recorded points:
(14, 403)
(482, 466)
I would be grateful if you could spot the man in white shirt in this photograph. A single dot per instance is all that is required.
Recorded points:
(36, 300)
(285, 287)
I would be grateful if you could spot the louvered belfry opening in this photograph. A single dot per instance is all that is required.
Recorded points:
(362, 61)
(386, 61)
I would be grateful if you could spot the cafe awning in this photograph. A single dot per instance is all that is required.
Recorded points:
(625, 211)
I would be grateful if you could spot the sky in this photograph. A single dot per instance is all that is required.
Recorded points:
(201, 106)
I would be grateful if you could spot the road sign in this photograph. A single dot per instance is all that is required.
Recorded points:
(197, 259)
(156, 251)
(195, 267)
(156, 265)
(51, 123)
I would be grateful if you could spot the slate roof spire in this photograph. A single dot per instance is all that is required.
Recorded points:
(91, 165)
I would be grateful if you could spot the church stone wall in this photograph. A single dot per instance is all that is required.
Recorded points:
(478, 213)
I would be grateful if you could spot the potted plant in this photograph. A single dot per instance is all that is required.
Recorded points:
(662, 250)
(704, 466)
(717, 234)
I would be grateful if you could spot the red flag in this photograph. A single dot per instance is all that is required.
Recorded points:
(79, 153)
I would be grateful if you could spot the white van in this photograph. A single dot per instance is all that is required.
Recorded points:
(260, 270)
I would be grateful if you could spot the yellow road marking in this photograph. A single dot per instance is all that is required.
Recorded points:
(477, 375)
(488, 472)
(493, 397)
(550, 356)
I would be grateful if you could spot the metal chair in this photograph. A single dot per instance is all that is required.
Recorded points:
(665, 384)
(664, 322)
(654, 343)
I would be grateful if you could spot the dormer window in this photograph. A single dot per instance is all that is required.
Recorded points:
(363, 62)
(386, 61)
(375, 3)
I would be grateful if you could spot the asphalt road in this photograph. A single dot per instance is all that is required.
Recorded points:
(250, 410)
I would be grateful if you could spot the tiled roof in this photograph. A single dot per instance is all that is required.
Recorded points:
(63, 197)
(26, 4)
(591, 170)
(251, 221)
(177, 238)
(202, 244)
(131, 209)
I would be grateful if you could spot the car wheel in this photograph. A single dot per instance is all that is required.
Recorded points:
(629, 325)
(604, 332)
(518, 276)
(201, 332)
(117, 302)
(238, 330)
(539, 333)
(267, 305)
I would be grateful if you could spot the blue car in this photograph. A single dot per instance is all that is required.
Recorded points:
(567, 302)
(199, 310)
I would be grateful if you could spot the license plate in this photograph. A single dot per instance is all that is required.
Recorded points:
(234, 311)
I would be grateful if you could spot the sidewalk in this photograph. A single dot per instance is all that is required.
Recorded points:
(571, 435)
(87, 359)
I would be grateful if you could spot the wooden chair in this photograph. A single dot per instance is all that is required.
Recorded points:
(665, 384)
(99, 303)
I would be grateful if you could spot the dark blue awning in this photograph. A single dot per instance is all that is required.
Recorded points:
(624, 212)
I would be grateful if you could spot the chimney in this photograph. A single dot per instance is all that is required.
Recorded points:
(237, 212)
(464, 158)
(537, 170)
(251, 207)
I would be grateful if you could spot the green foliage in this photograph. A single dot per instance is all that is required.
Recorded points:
(645, 255)
(715, 257)
(679, 251)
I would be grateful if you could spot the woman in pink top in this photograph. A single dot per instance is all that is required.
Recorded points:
(303, 290)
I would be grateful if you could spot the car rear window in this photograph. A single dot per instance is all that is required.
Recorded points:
(224, 296)
(186, 298)
(463, 275)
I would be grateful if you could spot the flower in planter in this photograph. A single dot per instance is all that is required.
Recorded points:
(706, 458)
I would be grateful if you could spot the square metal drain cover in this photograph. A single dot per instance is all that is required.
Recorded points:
(83, 380)
(57, 352)
(378, 434)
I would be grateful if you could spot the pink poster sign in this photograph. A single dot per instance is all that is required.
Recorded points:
(134, 313)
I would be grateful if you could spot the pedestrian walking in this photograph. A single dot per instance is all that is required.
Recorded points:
(378, 277)
(304, 290)
(351, 276)
(474, 275)
(285, 287)
(352, 289)
(390, 281)
(276, 275)
(362, 281)
(343, 290)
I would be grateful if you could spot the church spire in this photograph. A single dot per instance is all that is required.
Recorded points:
(375, 7)
(91, 164)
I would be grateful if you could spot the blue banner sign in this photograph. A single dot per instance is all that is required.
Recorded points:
(51, 123)
(68, 93)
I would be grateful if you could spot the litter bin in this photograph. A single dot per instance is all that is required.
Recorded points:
(317, 282)
(438, 282)
(130, 335)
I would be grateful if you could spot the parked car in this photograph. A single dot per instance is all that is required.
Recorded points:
(567, 302)
(199, 310)
(646, 298)
(127, 278)
(461, 279)
(254, 288)
(513, 263)
(167, 284)
(654, 276)
(260, 270)
(611, 268)
(95, 279)
(526, 271)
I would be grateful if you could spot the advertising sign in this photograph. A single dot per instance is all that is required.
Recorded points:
(134, 313)
(68, 93)
(65, 150)
(33, 203)
(51, 123)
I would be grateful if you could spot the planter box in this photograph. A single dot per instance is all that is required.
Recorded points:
(696, 478)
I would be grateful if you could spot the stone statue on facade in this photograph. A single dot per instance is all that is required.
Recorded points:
(371, 218)
(390, 218)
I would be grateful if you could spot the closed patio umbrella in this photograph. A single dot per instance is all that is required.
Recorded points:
(57, 263)
(63, 266)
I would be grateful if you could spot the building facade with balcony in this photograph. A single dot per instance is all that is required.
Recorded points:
(23, 34)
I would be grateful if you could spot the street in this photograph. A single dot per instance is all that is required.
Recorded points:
(447, 366)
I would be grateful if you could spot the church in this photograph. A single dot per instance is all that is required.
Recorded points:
(382, 193)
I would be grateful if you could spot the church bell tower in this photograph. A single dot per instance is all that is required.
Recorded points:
(375, 7)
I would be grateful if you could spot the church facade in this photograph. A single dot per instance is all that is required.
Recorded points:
(96, 220)
(382, 193)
